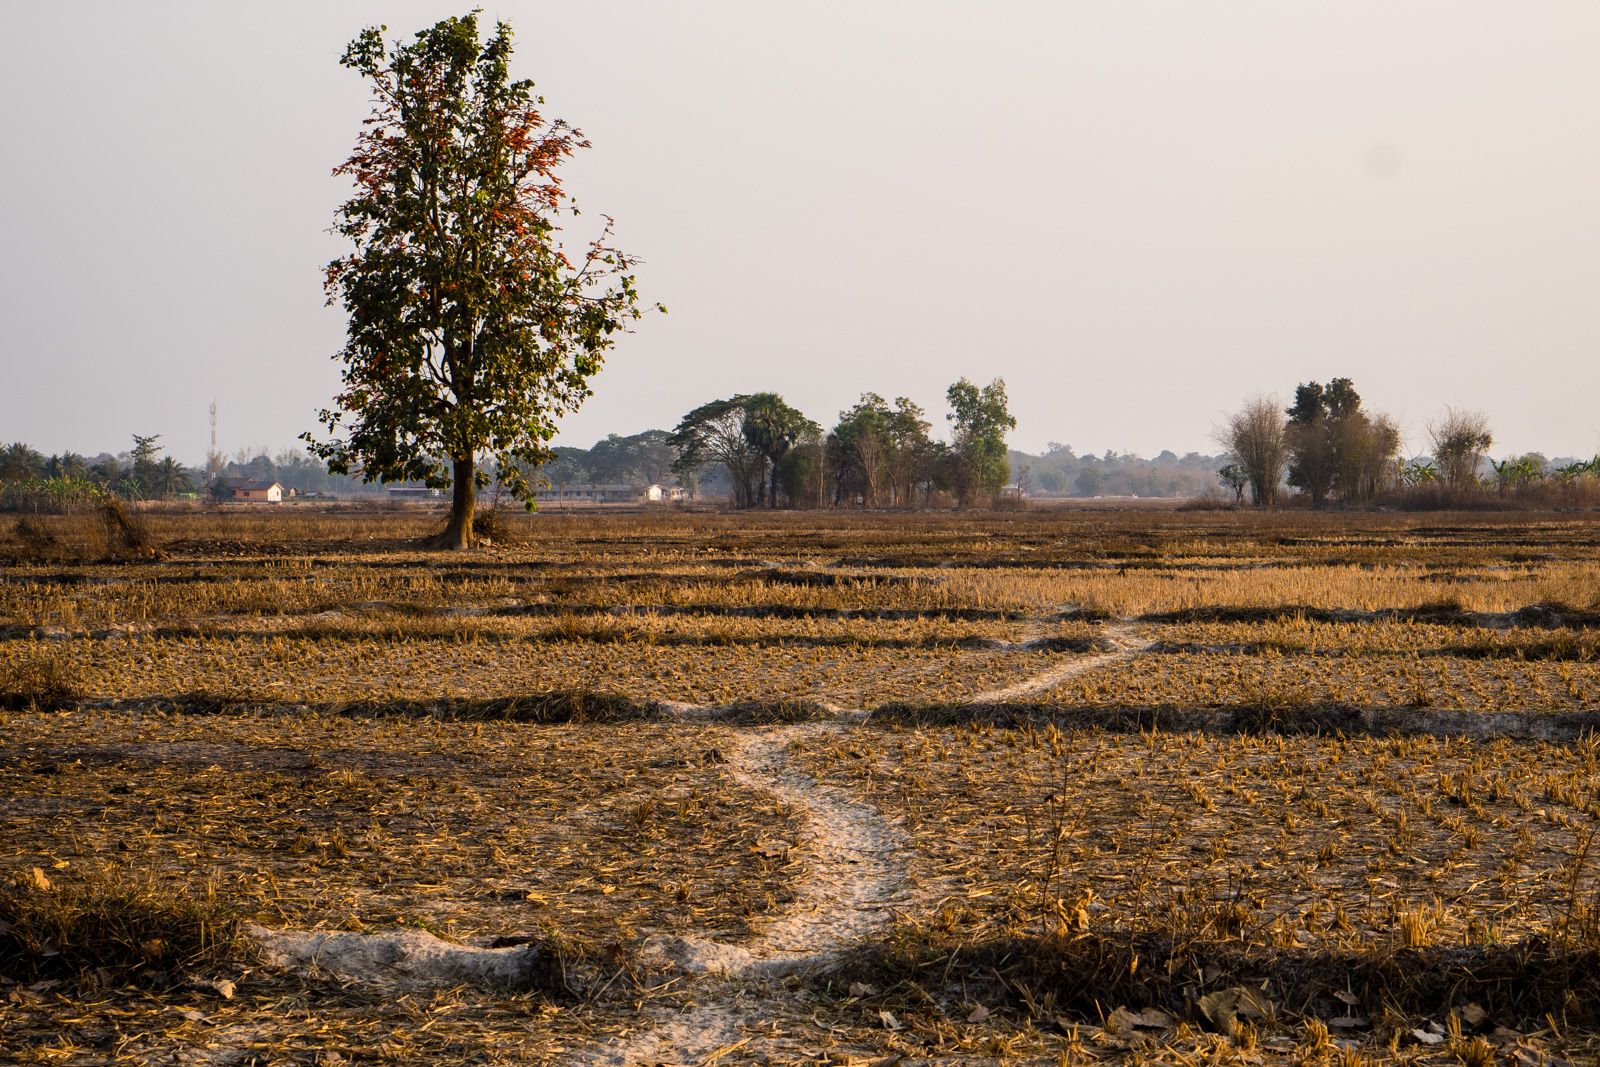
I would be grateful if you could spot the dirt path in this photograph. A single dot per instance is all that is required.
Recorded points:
(1128, 643)
(855, 878)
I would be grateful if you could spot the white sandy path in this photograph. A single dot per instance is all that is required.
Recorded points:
(1120, 634)
(395, 956)
(853, 881)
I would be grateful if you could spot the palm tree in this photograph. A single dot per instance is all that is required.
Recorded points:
(773, 428)
(67, 465)
(171, 479)
(18, 463)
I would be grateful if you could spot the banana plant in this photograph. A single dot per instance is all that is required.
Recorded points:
(1418, 473)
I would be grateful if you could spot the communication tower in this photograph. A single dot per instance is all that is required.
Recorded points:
(213, 457)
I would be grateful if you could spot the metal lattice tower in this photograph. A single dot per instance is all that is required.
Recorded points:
(213, 460)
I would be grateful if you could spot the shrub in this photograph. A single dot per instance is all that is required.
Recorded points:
(110, 929)
(37, 682)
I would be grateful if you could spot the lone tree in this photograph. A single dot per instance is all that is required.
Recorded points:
(982, 419)
(1460, 439)
(1256, 438)
(472, 330)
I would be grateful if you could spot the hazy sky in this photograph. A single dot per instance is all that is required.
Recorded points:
(1135, 213)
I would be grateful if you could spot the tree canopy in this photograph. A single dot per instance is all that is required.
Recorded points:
(751, 435)
(472, 327)
(981, 419)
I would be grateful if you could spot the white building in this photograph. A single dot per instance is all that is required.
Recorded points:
(248, 490)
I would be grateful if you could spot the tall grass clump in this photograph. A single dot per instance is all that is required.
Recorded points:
(37, 682)
(110, 929)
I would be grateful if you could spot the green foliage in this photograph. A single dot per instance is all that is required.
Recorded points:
(144, 478)
(773, 428)
(1336, 446)
(18, 463)
(1236, 477)
(749, 435)
(50, 496)
(714, 434)
(859, 450)
(1519, 473)
(472, 327)
(981, 419)
(1419, 472)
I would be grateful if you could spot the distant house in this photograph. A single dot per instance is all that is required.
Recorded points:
(405, 492)
(659, 493)
(249, 490)
(615, 493)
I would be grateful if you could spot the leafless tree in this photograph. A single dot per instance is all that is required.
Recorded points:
(1255, 436)
(1460, 439)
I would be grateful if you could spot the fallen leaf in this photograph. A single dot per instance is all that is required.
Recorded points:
(1502, 1035)
(978, 1014)
(1222, 1006)
(35, 879)
(889, 1021)
(1121, 1021)
(1474, 1014)
(1428, 1037)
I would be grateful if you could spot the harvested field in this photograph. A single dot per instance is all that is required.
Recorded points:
(1032, 787)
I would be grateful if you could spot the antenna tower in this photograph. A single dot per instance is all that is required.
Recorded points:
(213, 460)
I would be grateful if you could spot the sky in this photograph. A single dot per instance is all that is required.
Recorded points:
(1136, 213)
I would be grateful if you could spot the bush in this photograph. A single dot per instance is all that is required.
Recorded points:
(110, 929)
(127, 536)
(39, 682)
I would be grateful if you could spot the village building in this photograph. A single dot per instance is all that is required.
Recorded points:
(249, 490)
(615, 493)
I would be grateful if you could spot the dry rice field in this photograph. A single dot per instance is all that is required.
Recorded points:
(1035, 787)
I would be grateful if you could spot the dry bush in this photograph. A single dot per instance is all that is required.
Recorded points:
(37, 682)
(126, 534)
(1460, 438)
(110, 929)
(1256, 435)
(38, 542)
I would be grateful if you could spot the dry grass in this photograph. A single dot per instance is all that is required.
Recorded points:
(298, 717)
(110, 929)
(464, 828)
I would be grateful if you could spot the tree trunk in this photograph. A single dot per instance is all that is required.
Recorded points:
(457, 534)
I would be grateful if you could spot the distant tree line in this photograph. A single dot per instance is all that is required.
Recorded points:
(768, 454)
(1326, 447)
(638, 459)
(31, 481)
(1061, 472)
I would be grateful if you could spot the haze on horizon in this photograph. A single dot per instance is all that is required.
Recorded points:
(1135, 213)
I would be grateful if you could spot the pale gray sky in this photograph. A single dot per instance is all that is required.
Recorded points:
(1134, 212)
